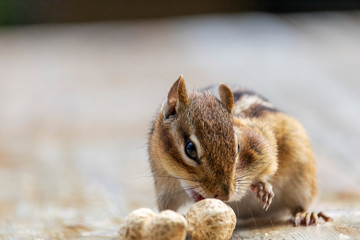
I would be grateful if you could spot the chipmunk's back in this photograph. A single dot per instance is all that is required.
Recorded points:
(247, 102)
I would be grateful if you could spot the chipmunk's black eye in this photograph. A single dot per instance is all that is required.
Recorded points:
(190, 150)
(238, 148)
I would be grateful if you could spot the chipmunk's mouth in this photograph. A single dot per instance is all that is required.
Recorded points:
(191, 193)
(196, 196)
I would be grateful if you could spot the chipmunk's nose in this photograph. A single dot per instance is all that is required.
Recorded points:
(222, 194)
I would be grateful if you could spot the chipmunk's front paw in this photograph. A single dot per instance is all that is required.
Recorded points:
(306, 219)
(263, 192)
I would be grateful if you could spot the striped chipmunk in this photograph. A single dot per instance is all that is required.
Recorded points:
(232, 145)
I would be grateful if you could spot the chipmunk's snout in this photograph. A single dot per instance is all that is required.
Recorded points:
(222, 193)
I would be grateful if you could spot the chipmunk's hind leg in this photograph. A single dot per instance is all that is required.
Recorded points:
(303, 218)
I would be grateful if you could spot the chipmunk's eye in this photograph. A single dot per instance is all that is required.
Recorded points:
(238, 148)
(190, 150)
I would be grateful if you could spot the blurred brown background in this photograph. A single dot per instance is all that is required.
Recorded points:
(77, 99)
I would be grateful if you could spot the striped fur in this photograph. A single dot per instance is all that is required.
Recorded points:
(241, 139)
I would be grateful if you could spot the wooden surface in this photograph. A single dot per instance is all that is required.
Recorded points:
(76, 102)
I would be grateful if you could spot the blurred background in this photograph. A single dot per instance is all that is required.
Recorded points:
(81, 81)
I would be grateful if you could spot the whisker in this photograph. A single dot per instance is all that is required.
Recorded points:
(271, 221)
(138, 177)
(252, 215)
(178, 178)
(179, 191)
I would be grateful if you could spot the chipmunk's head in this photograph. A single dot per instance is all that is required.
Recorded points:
(198, 141)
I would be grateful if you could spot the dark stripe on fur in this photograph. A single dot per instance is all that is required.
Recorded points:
(257, 110)
(238, 94)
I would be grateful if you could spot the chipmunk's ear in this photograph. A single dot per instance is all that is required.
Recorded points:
(177, 97)
(226, 97)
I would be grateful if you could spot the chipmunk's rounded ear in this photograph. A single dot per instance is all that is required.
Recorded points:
(177, 97)
(226, 97)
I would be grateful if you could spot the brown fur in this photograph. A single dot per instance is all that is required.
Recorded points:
(297, 168)
(285, 162)
(273, 149)
(204, 116)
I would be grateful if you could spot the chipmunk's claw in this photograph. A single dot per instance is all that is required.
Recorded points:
(264, 193)
(307, 219)
(325, 217)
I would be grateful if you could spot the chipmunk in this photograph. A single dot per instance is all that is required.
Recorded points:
(232, 145)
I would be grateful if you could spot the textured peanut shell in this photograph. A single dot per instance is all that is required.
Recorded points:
(167, 225)
(211, 219)
(133, 227)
